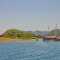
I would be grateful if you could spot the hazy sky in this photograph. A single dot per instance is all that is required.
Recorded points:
(29, 14)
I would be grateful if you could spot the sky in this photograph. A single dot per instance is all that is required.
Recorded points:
(29, 14)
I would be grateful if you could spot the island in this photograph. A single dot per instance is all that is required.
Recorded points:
(16, 35)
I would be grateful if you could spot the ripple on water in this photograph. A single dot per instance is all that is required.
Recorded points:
(34, 50)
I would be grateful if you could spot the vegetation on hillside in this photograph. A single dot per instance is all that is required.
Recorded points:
(52, 33)
(15, 33)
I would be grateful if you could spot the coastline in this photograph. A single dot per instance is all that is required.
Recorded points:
(4, 39)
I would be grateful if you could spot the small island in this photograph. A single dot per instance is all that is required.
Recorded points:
(15, 35)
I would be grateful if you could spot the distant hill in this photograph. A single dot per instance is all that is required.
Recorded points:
(15, 33)
(52, 33)
(42, 33)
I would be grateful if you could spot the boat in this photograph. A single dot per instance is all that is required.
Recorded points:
(58, 38)
(50, 38)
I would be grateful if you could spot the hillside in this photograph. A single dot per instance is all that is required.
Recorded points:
(52, 33)
(15, 33)
(42, 33)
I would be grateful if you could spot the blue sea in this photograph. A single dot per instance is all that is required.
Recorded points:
(30, 50)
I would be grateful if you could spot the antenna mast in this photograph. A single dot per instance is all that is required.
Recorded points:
(56, 30)
(48, 28)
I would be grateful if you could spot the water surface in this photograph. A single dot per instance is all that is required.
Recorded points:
(30, 50)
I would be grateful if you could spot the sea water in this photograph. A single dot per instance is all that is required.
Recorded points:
(30, 50)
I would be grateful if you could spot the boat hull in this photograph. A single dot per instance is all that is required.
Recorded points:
(49, 39)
